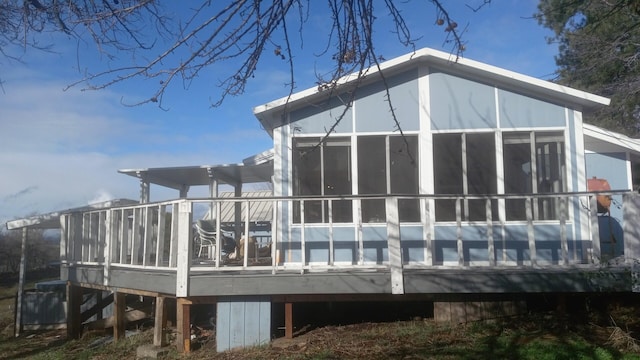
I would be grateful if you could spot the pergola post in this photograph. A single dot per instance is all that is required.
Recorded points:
(145, 188)
(184, 191)
(213, 191)
(237, 225)
(23, 272)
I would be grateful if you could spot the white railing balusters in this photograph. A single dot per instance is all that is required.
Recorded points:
(596, 253)
(303, 250)
(360, 234)
(246, 236)
(175, 227)
(108, 216)
(459, 243)
(159, 236)
(563, 232)
(490, 242)
(331, 254)
(530, 231)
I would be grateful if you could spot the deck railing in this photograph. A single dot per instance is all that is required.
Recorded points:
(161, 236)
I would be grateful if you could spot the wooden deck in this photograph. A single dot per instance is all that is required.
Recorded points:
(149, 249)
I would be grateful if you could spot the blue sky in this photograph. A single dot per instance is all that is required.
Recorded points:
(62, 149)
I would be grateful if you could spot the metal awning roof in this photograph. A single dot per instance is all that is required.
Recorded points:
(261, 211)
(258, 168)
(602, 140)
(52, 220)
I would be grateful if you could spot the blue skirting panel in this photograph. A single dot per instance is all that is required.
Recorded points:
(242, 321)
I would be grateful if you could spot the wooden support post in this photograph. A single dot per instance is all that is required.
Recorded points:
(288, 320)
(183, 325)
(21, 280)
(74, 321)
(119, 321)
(561, 305)
(159, 338)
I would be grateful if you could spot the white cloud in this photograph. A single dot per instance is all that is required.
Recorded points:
(62, 149)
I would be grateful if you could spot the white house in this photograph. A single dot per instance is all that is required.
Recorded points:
(430, 177)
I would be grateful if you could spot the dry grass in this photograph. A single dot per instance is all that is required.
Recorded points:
(531, 337)
(536, 336)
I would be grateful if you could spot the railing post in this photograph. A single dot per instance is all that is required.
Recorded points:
(148, 234)
(393, 244)
(360, 233)
(135, 236)
(124, 236)
(64, 237)
(102, 239)
(490, 241)
(331, 249)
(275, 236)
(595, 230)
(563, 232)
(108, 244)
(77, 236)
(303, 257)
(185, 248)
(246, 236)
(175, 228)
(630, 215)
(216, 250)
(428, 233)
(86, 237)
(160, 245)
(530, 232)
(459, 244)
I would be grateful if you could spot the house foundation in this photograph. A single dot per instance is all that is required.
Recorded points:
(456, 312)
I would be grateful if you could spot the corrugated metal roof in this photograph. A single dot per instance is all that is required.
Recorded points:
(259, 211)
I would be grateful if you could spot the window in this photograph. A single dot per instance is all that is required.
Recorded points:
(464, 164)
(533, 163)
(388, 164)
(322, 169)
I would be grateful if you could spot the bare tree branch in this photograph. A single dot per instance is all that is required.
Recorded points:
(239, 32)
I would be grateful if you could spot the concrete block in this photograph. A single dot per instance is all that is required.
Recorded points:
(151, 351)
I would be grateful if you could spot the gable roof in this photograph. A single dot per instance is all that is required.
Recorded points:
(268, 114)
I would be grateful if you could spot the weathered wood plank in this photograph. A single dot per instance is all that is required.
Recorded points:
(74, 301)
(183, 325)
(119, 320)
(160, 323)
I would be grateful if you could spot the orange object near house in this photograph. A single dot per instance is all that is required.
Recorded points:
(596, 184)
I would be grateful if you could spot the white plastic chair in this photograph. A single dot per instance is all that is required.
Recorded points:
(206, 239)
